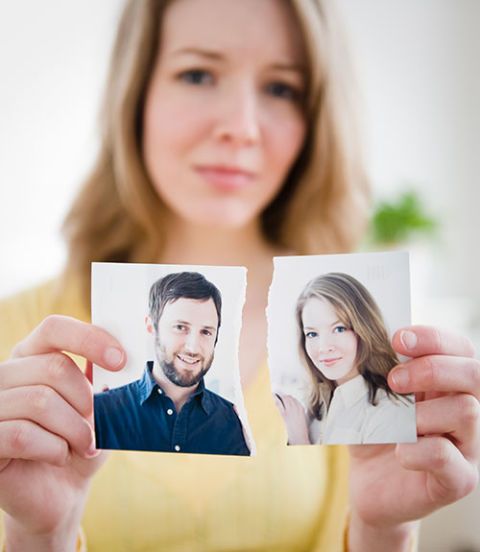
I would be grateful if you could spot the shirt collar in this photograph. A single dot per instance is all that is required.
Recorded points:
(352, 391)
(148, 385)
(204, 397)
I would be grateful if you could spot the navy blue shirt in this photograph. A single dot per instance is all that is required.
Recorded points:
(140, 416)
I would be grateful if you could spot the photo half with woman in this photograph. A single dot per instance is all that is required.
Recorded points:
(331, 353)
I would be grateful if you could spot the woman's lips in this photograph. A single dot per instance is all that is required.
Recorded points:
(226, 179)
(330, 361)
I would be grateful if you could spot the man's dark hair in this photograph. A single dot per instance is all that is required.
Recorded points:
(189, 285)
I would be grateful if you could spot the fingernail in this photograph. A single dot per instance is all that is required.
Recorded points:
(400, 377)
(113, 356)
(408, 339)
(92, 450)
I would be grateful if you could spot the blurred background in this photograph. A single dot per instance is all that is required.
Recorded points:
(419, 77)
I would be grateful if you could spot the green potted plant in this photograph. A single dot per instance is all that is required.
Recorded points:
(400, 220)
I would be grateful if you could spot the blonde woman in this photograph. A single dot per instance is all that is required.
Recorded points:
(345, 347)
(222, 143)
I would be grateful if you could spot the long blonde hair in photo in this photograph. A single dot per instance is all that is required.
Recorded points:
(358, 311)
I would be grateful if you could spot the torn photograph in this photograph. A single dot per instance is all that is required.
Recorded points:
(330, 323)
(180, 389)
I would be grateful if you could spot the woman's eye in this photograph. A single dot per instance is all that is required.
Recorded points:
(285, 91)
(340, 329)
(196, 76)
(310, 335)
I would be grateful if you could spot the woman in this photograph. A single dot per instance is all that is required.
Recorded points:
(346, 350)
(218, 140)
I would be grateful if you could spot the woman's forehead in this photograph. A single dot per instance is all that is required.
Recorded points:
(318, 311)
(266, 29)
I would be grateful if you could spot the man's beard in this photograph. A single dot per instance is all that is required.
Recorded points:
(182, 379)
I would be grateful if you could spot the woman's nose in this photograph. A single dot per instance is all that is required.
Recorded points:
(324, 345)
(238, 119)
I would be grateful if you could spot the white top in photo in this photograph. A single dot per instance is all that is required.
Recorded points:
(352, 419)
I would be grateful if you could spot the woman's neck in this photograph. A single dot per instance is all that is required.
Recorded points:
(192, 244)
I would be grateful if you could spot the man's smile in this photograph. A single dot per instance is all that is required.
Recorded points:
(188, 360)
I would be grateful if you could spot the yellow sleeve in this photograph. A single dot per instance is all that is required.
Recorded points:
(81, 545)
(332, 528)
(21, 313)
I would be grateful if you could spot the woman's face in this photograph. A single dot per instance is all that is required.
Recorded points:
(223, 119)
(331, 346)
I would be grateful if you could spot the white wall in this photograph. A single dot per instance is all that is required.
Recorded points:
(53, 57)
(420, 74)
(420, 70)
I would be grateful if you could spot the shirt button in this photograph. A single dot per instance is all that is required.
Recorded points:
(159, 391)
(169, 411)
(177, 448)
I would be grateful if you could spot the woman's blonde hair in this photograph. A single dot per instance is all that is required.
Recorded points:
(322, 207)
(358, 311)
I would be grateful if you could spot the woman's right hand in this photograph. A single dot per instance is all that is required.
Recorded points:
(47, 446)
(295, 419)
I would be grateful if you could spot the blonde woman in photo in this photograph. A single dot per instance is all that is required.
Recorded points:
(227, 137)
(347, 352)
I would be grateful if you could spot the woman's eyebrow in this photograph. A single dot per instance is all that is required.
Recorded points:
(210, 54)
(219, 56)
(290, 67)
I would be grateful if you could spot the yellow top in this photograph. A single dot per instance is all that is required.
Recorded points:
(283, 499)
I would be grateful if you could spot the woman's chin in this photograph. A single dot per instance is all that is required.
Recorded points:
(223, 218)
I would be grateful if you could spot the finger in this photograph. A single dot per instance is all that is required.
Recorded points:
(414, 341)
(28, 441)
(290, 402)
(56, 370)
(43, 406)
(279, 400)
(62, 333)
(89, 371)
(456, 415)
(449, 475)
(437, 373)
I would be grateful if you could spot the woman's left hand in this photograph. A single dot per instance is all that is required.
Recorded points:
(395, 484)
(295, 419)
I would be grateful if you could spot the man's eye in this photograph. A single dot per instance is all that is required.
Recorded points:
(179, 327)
(196, 76)
(311, 335)
(285, 91)
(207, 332)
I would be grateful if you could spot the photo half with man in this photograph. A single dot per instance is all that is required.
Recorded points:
(180, 389)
